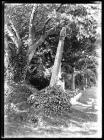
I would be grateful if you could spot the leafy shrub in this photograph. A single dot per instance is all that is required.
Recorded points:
(16, 100)
(31, 105)
(19, 93)
(51, 102)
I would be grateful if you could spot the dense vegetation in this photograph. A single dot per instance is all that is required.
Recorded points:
(32, 37)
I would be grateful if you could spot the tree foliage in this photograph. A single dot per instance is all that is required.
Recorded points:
(78, 19)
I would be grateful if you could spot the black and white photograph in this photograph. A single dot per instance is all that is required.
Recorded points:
(52, 70)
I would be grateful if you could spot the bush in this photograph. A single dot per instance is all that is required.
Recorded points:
(16, 97)
(18, 93)
(29, 104)
(51, 102)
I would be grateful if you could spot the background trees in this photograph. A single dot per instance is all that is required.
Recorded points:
(37, 28)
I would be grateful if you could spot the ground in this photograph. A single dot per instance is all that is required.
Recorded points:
(81, 122)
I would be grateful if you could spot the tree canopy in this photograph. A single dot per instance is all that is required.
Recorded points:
(81, 32)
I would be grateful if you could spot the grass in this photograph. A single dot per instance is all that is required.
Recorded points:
(78, 122)
(89, 93)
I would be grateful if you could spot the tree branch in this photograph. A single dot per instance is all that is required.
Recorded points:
(51, 18)
(31, 20)
(50, 31)
(11, 35)
(47, 21)
(14, 29)
(34, 46)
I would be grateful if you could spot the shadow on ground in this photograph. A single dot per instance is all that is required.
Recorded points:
(81, 121)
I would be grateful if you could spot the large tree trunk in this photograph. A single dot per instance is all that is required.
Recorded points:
(59, 74)
(57, 63)
(60, 81)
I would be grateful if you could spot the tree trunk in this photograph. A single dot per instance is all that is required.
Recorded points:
(73, 79)
(6, 56)
(60, 81)
(86, 82)
(74, 74)
(59, 74)
(58, 58)
(73, 82)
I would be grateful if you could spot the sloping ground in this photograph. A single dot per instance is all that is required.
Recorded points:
(80, 122)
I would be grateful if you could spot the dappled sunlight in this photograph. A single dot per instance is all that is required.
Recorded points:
(52, 53)
(80, 122)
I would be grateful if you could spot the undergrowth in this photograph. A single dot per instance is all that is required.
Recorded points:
(25, 105)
